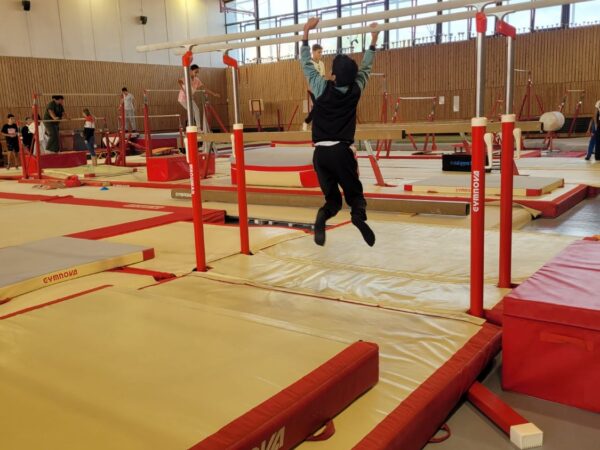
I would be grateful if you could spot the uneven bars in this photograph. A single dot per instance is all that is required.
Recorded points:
(393, 14)
(417, 98)
(161, 90)
(77, 119)
(367, 29)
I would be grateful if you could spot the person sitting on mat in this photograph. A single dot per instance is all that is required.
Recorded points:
(10, 131)
(316, 59)
(595, 138)
(334, 125)
(89, 134)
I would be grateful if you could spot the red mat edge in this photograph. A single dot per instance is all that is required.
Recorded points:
(420, 415)
(53, 302)
(294, 414)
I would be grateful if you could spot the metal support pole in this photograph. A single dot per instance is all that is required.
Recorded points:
(192, 158)
(238, 144)
(507, 159)
(481, 21)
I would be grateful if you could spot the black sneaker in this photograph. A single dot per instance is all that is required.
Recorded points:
(320, 228)
(587, 158)
(365, 230)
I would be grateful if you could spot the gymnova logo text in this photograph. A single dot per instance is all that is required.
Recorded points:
(275, 443)
(476, 193)
(60, 276)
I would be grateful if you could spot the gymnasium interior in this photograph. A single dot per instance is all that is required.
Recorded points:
(167, 281)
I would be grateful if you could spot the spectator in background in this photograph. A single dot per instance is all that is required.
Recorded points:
(317, 61)
(26, 134)
(89, 134)
(129, 106)
(43, 135)
(53, 115)
(196, 86)
(10, 131)
(595, 138)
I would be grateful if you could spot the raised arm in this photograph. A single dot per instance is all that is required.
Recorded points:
(367, 63)
(316, 82)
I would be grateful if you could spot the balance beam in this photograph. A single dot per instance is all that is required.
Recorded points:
(365, 132)
(314, 199)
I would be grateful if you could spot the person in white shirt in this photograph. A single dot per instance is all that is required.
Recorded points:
(317, 61)
(129, 105)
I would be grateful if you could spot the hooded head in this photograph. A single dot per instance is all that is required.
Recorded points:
(344, 69)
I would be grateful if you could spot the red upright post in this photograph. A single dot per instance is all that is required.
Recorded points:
(192, 157)
(122, 147)
(477, 214)
(506, 199)
(147, 130)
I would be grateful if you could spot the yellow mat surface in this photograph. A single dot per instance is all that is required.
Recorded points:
(32, 221)
(412, 347)
(120, 371)
(174, 244)
(422, 251)
(99, 171)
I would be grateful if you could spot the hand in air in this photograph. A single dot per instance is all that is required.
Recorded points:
(311, 24)
(375, 33)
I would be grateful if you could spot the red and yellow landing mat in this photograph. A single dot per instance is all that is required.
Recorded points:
(32, 266)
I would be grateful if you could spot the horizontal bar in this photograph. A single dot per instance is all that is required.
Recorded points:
(77, 119)
(155, 116)
(80, 94)
(380, 27)
(162, 90)
(375, 131)
(372, 17)
(417, 98)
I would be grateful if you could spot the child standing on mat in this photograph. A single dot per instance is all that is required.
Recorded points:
(89, 134)
(334, 125)
(10, 131)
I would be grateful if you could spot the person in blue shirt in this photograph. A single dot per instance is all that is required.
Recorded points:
(334, 126)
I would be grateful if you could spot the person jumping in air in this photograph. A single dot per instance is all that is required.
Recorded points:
(334, 125)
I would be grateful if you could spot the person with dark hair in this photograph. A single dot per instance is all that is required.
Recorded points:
(10, 131)
(26, 135)
(334, 125)
(89, 134)
(196, 86)
(55, 112)
(128, 102)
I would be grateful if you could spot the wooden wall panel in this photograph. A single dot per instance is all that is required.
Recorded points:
(20, 77)
(559, 60)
